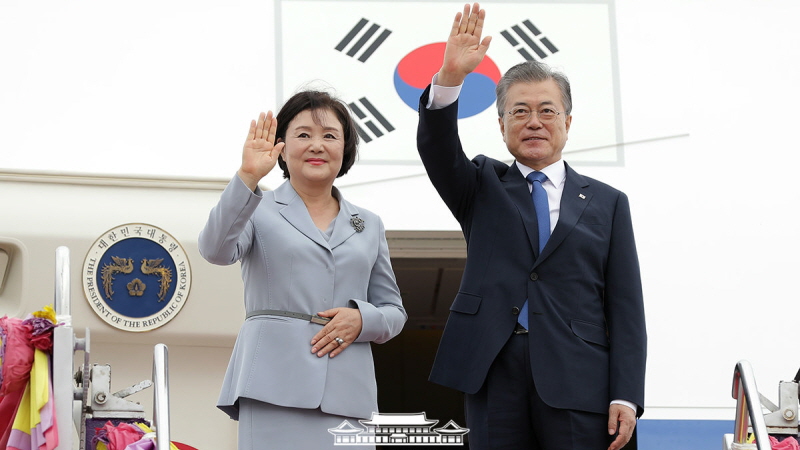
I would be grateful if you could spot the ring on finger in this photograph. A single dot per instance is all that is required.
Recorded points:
(339, 340)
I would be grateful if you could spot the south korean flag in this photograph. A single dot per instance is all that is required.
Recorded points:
(379, 56)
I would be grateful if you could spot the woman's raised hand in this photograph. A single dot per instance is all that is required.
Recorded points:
(260, 153)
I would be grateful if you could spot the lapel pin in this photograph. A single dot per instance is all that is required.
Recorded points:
(583, 197)
(357, 223)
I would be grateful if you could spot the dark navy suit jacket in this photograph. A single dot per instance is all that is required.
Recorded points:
(586, 315)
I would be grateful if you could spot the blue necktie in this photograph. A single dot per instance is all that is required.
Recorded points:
(542, 207)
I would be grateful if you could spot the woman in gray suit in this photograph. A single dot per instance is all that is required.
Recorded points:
(318, 282)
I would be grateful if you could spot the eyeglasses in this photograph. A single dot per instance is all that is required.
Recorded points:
(523, 114)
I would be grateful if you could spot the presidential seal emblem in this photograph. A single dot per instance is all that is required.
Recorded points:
(136, 277)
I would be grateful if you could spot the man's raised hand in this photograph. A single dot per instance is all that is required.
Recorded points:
(465, 49)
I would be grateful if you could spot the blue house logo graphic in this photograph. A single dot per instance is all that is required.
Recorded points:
(398, 429)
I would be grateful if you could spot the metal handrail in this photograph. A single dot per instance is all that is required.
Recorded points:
(62, 298)
(748, 407)
(63, 345)
(161, 396)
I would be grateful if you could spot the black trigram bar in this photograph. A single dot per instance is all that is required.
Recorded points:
(366, 37)
(367, 120)
(530, 37)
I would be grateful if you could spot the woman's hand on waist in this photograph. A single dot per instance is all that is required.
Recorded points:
(339, 333)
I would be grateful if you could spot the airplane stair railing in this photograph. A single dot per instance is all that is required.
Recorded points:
(65, 395)
(85, 396)
(161, 396)
(748, 412)
(777, 427)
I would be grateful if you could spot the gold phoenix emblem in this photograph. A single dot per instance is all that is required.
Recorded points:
(121, 265)
(146, 279)
(136, 287)
(154, 267)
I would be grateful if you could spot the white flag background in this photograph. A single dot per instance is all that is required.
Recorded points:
(581, 32)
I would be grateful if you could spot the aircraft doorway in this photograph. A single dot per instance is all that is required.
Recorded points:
(428, 266)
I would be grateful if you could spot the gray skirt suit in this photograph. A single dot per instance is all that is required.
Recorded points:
(289, 264)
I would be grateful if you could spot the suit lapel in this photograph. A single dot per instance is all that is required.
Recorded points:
(574, 200)
(296, 213)
(342, 229)
(517, 188)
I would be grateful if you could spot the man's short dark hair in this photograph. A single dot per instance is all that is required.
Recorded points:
(532, 71)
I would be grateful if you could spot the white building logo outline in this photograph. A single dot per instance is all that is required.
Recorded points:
(398, 429)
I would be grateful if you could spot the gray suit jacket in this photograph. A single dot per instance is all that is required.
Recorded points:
(287, 264)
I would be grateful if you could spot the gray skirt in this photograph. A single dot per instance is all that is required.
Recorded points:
(263, 426)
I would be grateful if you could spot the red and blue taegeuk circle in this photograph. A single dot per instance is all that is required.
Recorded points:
(415, 70)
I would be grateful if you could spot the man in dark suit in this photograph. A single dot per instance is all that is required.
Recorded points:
(546, 336)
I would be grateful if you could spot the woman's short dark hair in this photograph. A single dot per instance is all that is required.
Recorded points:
(316, 101)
